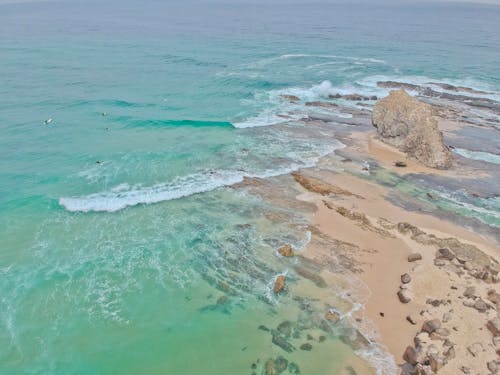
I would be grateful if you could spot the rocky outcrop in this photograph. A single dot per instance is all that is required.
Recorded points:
(409, 124)
(286, 251)
(279, 283)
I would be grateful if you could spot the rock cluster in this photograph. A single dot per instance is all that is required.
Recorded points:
(409, 124)
(431, 349)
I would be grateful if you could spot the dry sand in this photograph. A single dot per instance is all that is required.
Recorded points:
(364, 218)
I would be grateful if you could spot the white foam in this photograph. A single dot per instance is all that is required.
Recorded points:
(478, 155)
(124, 195)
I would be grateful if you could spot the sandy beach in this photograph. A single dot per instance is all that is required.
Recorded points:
(439, 286)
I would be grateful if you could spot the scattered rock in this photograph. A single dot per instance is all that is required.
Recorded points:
(270, 368)
(286, 251)
(281, 364)
(306, 346)
(279, 283)
(414, 257)
(404, 296)
(291, 98)
(470, 292)
(285, 328)
(494, 326)
(411, 319)
(332, 316)
(409, 124)
(493, 296)
(405, 278)
(400, 164)
(475, 349)
(480, 305)
(446, 317)
(430, 326)
(465, 370)
(293, 368)
(445, 253)
(263, 328)
(280, 341)
(493, 367)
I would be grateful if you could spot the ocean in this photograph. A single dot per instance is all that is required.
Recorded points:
(124, 250)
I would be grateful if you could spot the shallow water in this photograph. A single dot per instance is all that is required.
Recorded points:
(118, 233)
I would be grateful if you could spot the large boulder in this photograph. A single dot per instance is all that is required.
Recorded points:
(409, 124)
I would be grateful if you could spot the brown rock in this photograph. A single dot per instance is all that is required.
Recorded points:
(494, 326)
(411, 319)
(286, 251)
(493, 296)
(291, 98)
(279, 283)
(404, 296)
(332, 316)
(430, 326)
(414, 257)
(405, 278)
(409, 124)
(400, 164)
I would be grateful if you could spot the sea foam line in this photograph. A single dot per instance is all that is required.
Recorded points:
(124, 195)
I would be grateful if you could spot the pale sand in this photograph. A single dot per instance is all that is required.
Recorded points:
(383, 260)
(367, 143)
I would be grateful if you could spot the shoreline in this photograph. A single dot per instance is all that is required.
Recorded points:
(358, 213)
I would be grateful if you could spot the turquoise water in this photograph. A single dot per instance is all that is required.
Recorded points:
(118, 233)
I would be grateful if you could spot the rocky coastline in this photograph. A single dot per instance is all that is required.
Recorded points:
(433, 281)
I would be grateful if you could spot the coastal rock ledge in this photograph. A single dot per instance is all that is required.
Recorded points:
(409, 124)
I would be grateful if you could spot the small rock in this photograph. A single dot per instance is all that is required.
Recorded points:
(493, 367)
(381, 314)
(414, 257)
(439, 262)
(306, 346)
(322, 338)
(405, 278)
(493, 296)
(446, 317)
(480, 305)
(494, 326)
(279, 283)
(496, 341)
(285, 328)
(281, 364)
(445, 254)
(430, 326)
(286, 251)
(411, 319)
(450, 353)
(269, 368)
(291, 98)
(436, 362)
(400, 164)
(293, 368)
(404, 296)
(475, 349)
(332, 316)
(465, 370)
(470, 291)
(280, 341)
